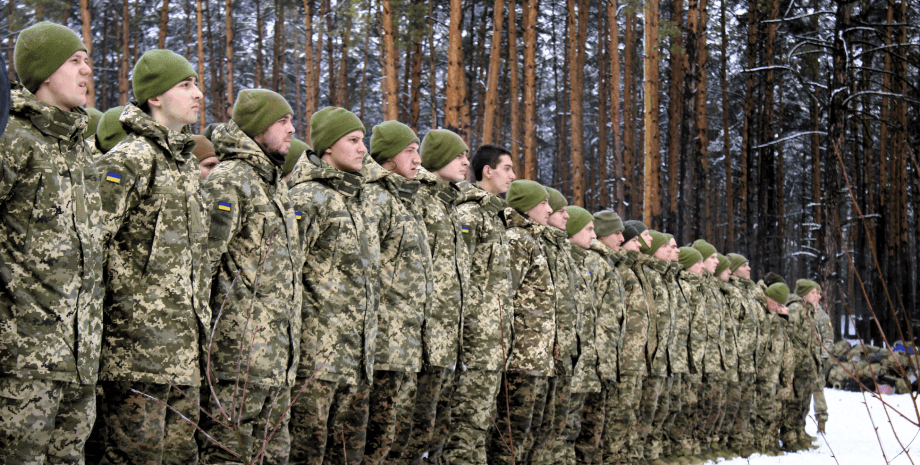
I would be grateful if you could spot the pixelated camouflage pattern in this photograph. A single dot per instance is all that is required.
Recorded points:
(340, 273)
(568, 308)
(678, 354)
(405, 268)
(804, 336)
(450, 258)
(257, 227)
(655, 271)
(534, 298)
(750, 325)
(518, 398)
(488, 309)
(50, 247)
(731, 311)
(156, 274)
(697, 335)
(651, 345)
(714, 359)
(606, 283)
(773, 345)
(825, 331)
(636, 321)
(587, 265)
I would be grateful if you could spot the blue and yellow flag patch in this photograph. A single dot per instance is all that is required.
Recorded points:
(465, 228)
(113, 177)
(298, 215)
(225, 206)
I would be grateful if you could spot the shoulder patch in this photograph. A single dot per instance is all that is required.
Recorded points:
(113, 177)
(298, 215)
(465, 228)
(225, 206)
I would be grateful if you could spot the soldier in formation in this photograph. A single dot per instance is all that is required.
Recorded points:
(338, 304)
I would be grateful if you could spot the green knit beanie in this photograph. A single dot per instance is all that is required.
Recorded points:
(524, 194)
(772, 278)
(578, 219)
(440, 147)
(329, 125)
(297, 149)
(257, 109)
(110, 130)
(804, 286)
(607, 222)
(640, 227)
(390, 138)
(556, 199)
(658, 239)
(42, 49)
(723, 264)
(688, 257)
(735, 261)
(157, 71)
(706, 249)
(93, 123)
(779, 292)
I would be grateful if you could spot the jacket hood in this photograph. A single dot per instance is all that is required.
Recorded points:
(469, 192)
(231, 143)
(144, 125)
(312, 168)
(397, 185)
(48, 119)
(447, 192)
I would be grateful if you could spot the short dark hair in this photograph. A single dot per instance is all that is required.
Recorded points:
(487, 155)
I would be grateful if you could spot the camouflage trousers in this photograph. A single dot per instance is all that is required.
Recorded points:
(589, 425)
(793, 417)
(712, 407)
(548, 435)
(430, 416)
(143, 431)
(621, 435)
(765, 421)
(670, 440)
(391, 397)
(329, 422)
(650, 418)
(730, 415)
(686, 420)
(518, 399)
(471, 416)
(740, 433)
(261, 406)
(820, 401)
(44, 421)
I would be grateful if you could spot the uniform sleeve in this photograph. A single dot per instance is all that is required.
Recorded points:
(636, 331)
(124, 177)
(225, 213)
(609, 304)
(14, 155)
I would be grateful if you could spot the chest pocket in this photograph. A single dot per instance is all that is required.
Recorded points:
(40, 198)
(169, 244)
(326, 252)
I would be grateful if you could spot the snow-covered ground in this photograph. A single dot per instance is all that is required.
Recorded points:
(851, 438)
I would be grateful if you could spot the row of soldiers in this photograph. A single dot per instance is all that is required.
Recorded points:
(404, 314)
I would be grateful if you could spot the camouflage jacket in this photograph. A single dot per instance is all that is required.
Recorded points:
(50, 249)
(585, 376)
(534, 297)
(826, 331)
(156, 273)
(773, 345)
(677, 349)
(698, 327)
(340, 273)
(488, 310)
(715, 356)
(803, 334)
(637, 325)
(253, 232)
(606, 284)
(405, 268)
(748, 323)
(450, 258)
(662, 314)
(730, 311)
(556, 246)
(789, 363)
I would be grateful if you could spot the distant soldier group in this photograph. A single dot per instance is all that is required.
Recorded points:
(404, 314)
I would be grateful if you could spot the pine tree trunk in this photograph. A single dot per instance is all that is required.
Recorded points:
(530, 88)
(702, 125)
(123, 82)
(726, 138)
(388, 81)
(600, 181)
(86, 16)
(259, 77)
(367, 57)
(200, 31)
(416, 91)
(514, 119)
(456, 78)
(342, 81)
(164, 20)
(632, 194)
(432, 86)
(613, 87)
(188, 30)
(651, 206)
(675, 106)
(577, 99)
(748, 115)
(228, 16)
(491, 107)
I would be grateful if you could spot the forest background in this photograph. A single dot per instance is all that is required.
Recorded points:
(784, 130)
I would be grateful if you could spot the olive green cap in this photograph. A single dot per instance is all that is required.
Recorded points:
(157, 71)
(525, 194)
(578, 219)
(607, 222)
(41, 49)
(440, 147)
(93, 123)
(110, 130)
(556, 199)
(257, 109)
(735, 261)
(706, 249)
(329, 125)
(658, 239)
(298, 147)
(723, 264)
(389, 138)
(688, 257)
(804, 286)
(779, 292)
